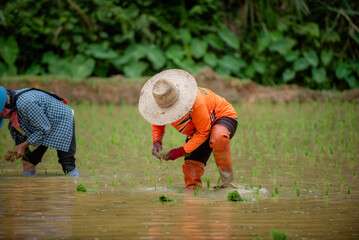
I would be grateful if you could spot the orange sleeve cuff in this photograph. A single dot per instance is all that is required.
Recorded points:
(158, 132)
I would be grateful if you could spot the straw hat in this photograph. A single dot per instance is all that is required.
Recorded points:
(2, 103)
(167, 96)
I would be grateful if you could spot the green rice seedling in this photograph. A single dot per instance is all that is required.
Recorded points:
(112, 184)
(180, 191)
(219, 179)
(96, 180)
(277, 235)
(119, 180)
(326, 191)
(208, 183)
(348, 190)
(45, 171)
(196, 189)
(163, 198)
(170, 182)
(234, 196)
(276, 189)
(298, 192)
(81, 187)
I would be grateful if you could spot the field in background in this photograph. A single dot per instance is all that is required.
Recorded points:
(297, 164)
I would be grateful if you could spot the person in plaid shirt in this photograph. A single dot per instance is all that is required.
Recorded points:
(39, 120)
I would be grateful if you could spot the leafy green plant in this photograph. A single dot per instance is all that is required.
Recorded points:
(234, 196)
(8, 52)
(163, 198)
(277, 235)
(81, 187)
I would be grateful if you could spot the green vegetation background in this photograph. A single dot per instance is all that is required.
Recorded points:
(309, 43)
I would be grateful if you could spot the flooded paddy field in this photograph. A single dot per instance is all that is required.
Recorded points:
(297, 165)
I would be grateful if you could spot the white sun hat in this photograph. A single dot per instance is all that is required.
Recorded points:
(167, 96)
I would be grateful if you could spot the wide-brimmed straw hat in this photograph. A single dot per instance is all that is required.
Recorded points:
(167, 96)
(2, 103)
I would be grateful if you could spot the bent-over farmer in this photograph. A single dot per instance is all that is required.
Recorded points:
(39, 120)
(208, 120)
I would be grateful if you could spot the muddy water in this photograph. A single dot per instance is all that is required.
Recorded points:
(49, 207)
(308, 153)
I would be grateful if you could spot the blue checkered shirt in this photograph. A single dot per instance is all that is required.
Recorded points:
(45, 120)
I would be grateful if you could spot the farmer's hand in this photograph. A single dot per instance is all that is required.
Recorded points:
(157, 150)
(175, 153)
(20, 149)
(10, 155)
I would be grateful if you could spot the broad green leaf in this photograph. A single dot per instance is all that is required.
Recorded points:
(290, 56)
(260, 67)
(311, 57)
(211, 59)
(185, 35)
(34, 69)
(283, 24)
(186, 64)
(250, 71)
(198, 47)
(174, 52)
(11, 70)
(319, 75)
(352, 81)
(7, 70)
(9, 50)
(331, 36)
(136, 51)
(2, 70)
(343, 71)
(60, 67)
(300, 64)
(221, 71)
(232, 63)
(229, 38)
(49, 57)
(156, 57)
(282, 45)
(288, 75)
(120, 61)
(196, 10)
(275, 36)
(214, 41)
(82, 67)
(307, 29)
(263, 41)
(65, 46)
(135, 69)
(101, 52)
(355, 66)
(326, 57)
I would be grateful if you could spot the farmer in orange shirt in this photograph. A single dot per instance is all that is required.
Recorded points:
(208, 120)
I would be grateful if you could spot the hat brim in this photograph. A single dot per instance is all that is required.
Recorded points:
(187, 89)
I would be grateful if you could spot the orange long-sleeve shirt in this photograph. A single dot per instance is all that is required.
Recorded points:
(197, 123)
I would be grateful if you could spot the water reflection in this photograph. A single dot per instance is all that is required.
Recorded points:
(36, 208)
(191, 218)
